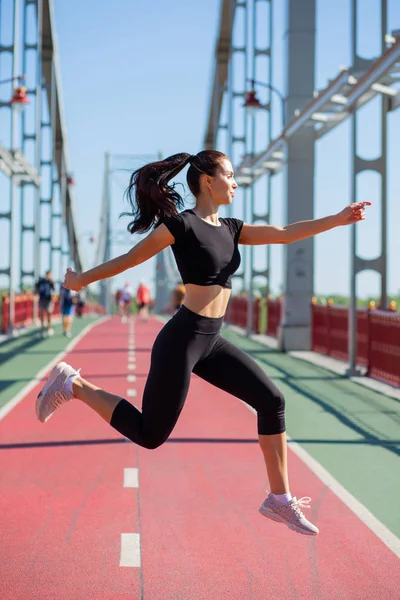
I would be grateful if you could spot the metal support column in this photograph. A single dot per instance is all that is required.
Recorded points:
(359, 164)
(294, 333)
(231, 94)
(105, 235)
(33, 11)
(12, 179)
(257, 51)
(55, 213)
(63, 201)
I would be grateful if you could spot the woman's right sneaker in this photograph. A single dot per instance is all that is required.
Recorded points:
(290, 514)
(53, 394)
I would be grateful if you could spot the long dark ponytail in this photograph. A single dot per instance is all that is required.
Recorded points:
(152, 198)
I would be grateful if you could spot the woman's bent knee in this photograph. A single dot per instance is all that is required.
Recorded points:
(152, 444)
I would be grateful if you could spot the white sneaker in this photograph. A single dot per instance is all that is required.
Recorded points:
(53, 394)
(290, 514)
(50, 332)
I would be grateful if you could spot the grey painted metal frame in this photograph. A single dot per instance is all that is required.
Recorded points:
(231, 93)
(36, 137)
(256, 52)
(359, 165)
(62, 159)
(13, 162)
(348, 91)
(222, 56)
(105, 241)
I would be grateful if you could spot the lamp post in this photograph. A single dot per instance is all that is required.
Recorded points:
(253, 104)
(19, 98)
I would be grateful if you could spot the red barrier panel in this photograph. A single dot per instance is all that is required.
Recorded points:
(320, 338)
(378, 339)
(384, 349)
(24, 311)
(337, 331)
(238, 313)
(256, 315)
(363, 337)
(274, 316)
(4, 309)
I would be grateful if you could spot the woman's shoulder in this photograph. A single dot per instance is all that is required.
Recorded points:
(178, 224)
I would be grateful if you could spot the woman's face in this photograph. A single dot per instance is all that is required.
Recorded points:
(223, 185)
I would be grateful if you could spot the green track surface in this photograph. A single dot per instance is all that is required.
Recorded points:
(354, 432)
(21, 358)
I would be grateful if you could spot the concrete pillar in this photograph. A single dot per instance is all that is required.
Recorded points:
(298, 174)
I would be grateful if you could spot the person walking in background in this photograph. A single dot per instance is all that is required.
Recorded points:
(45, 287)
(143, 300)
(80, 303)
(206, 250)
(117, 299)
(67, 309)
(125, 302)
(178, 296)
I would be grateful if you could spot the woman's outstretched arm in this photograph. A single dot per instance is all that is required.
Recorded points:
(151, 245)
(254, 235)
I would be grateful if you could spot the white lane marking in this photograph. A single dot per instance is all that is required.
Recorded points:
(131, 378)
(132, 393)
(361, 511)
(130, 550)
(131, 478)
(131, 367)
(39, 376)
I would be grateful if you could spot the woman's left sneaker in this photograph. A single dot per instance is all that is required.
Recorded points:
(289, 513)
(53, 394)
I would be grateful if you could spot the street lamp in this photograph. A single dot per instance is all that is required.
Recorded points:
(252, 103)
(19, 98)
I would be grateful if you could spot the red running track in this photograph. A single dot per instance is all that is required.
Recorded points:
(64, 507)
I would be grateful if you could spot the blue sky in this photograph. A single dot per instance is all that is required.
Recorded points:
(136, 81)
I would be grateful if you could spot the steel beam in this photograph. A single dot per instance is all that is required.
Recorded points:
(222, 55)
(350, 90)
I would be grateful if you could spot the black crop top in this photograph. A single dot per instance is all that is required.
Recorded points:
(205, 254)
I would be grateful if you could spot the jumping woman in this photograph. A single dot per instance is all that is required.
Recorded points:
(206, 252)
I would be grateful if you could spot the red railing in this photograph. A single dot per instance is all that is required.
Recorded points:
(274, 316)
(238, 313)
(378, 338)
(24, 311)
(384, 346)
(378, 334)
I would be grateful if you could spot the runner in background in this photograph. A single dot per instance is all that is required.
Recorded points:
(143, 300)
(67, 310)
(125, 302)
(178, 296)
(44, 287)
(80, 303)
(117, 300)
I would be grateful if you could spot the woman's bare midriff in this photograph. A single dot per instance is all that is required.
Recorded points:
(207, 300)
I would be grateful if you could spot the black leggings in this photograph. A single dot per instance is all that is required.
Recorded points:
(192, 343)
